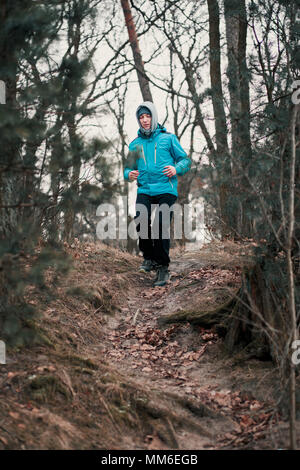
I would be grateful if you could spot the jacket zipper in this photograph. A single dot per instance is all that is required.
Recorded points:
(155, 164)
(154, 161)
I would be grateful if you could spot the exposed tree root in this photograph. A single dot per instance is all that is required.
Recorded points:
(250, 320)
(160, 412)
(206, 318)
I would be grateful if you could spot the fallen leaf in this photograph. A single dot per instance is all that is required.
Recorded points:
(246, 421)
(10, 375)
(255, 405)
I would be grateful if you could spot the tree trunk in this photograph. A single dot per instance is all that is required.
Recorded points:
(10, 176)
(238, 84)
(137, 56)
(57, 150)
(70, 210)
(222, 152)
(232, 37)
(74, 37)
(30, 184)
(215, 78)
(291, 280)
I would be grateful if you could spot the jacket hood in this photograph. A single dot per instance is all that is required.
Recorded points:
(154, 121)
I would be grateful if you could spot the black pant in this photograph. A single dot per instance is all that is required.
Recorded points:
(154, 241)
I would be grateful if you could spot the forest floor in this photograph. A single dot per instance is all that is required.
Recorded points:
(110, 376)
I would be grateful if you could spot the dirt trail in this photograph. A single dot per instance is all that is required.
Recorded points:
(108, 375)
(232, 404)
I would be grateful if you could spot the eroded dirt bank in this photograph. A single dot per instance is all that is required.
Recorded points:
(113, 375)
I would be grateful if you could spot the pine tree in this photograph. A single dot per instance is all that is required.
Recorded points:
(41, 149)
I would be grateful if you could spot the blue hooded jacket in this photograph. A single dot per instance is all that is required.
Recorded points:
(150, 154)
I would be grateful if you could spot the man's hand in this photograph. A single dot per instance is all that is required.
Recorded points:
(169, 171)
(133, 175)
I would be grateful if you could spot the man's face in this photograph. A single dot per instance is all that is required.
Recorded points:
(145, 120)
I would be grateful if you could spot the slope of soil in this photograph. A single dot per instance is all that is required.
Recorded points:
(110, 376)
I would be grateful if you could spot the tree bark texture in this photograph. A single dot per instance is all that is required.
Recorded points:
(222, 152)
(238, 84)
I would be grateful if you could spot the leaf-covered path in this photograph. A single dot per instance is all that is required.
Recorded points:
(224, 405)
